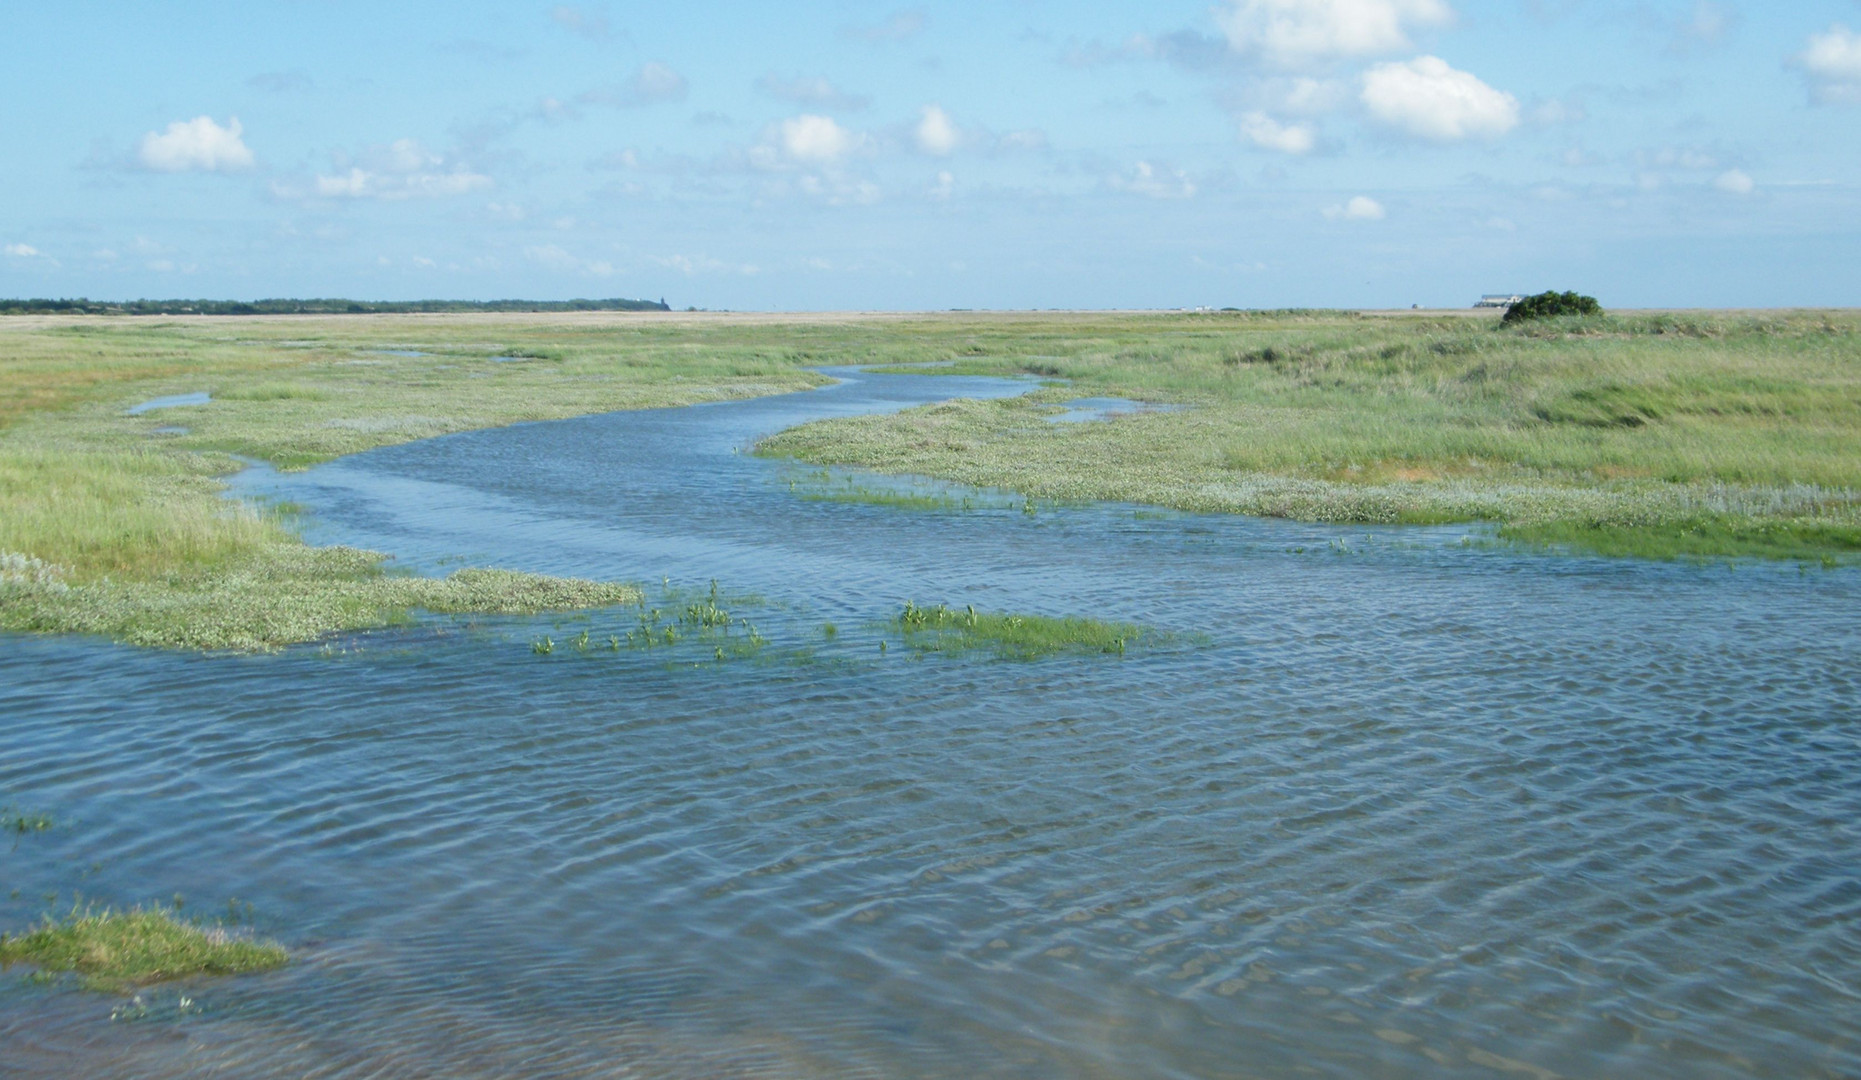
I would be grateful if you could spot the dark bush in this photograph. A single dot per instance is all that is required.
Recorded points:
(1548, 305)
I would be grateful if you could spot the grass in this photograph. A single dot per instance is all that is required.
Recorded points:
(110, 526)
(1671, 435)
(116, 950)
(1017, 637)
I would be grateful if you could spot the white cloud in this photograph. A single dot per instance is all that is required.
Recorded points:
(1832, 64)
(1025, 139)
(1146, 180)
(654, 84)
(816, 139)
(1265, 132)
(816, 91)
(1735, 182)
(199, 144)
(557, 258)
(901, 26)
(591, 24)
(692, 265)
(946, 184)
(1294, 33)
(838, 190)
(23, 251)
(1426, 98)
(1360, 208)
(401, 170)
(936, 133)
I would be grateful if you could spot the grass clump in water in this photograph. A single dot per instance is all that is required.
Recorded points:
(1016, 637)
(23, 822)
(113, 950)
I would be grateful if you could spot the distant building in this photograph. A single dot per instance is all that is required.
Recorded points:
(1498, 300)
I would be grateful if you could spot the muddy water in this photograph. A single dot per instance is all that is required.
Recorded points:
(1390, 805)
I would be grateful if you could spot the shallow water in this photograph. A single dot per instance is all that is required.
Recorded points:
(1393, 805)
(1087, 410)
(170, 402)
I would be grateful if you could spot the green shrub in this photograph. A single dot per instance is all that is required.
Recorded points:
(1547, 305)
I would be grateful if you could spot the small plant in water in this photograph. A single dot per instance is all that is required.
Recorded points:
(543, 646)
(21, 822)
(1020, 637)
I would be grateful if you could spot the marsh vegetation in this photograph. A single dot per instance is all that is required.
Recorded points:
(1653, 434)
(114, 950)
(1012, 636)
(114, 524)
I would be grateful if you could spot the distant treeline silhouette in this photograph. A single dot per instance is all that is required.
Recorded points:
(82, 306)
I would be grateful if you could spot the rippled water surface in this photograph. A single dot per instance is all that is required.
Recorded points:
(1388, 805)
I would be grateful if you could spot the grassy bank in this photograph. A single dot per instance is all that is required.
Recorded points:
(114, 524)
(1653, 435)
(115, 950)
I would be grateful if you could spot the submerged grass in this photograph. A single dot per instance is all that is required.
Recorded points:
(1018, 637)
(23, 822)
(1710, 435)
(114, 950)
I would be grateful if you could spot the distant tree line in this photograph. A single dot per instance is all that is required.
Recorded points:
(81, 306)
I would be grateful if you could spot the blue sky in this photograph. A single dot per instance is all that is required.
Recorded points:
(1024, 153)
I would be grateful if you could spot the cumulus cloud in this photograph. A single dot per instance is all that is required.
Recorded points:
(1147, 180)
(401, 170)
(654, 84)
(1832, 64)
(814, 139)
(23, 251)
(816, 91)
(1295, 33)
(936, 133)
(197, 145)
(1360, 208)
(1428, 99)
(1269, 134)
(1735, 182)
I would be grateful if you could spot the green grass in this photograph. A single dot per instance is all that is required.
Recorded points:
(108, 526)
(1017, 637)
(1709, 435)
(116, 950)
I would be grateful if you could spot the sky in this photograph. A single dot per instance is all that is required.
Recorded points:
(836, 155)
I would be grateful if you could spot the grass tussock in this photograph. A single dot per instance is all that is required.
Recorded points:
(116, 950)
(1017, 637)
